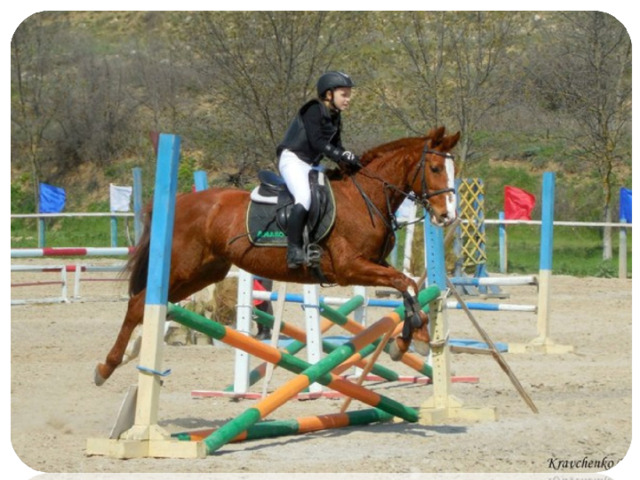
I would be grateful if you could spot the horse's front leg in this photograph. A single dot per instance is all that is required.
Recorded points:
(364, 272)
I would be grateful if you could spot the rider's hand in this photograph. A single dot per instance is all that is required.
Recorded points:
(350, 160)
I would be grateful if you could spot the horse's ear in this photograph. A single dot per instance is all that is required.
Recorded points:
(435, 135)
(449, 142)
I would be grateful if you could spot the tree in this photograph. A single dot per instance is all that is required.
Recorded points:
(587, 76)
(34, 106)
(451, 69)
(257, 68)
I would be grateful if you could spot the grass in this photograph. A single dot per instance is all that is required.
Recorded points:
(71, 232)
(577, 251)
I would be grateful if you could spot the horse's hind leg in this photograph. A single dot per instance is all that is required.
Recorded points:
(132, 319)
(210, 272)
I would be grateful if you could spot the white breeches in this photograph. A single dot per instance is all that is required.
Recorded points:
(296, 175)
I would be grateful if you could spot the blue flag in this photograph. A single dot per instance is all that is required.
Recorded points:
(52, 198)
(625, 204)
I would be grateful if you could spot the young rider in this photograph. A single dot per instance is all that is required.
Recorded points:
(313, 133)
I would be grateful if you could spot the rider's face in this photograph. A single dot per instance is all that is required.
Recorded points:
(341, 97)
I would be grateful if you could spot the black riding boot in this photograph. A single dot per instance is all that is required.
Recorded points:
(295, 249)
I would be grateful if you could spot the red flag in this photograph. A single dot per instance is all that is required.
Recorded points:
(518, 203)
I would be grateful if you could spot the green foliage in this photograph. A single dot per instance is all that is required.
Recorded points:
(577, 251)
(22, 198)
(186, 169)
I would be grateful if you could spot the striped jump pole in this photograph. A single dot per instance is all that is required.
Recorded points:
(495, 281)
(279, 428)
(300, 339)
(289, 362)
(327, 300)
(410, 359)
(493, 307)
(296, 345)
(315, 373)
(309, 373)
(70, 252)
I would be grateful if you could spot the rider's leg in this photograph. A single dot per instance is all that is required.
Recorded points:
(296, 175)
(295, 227)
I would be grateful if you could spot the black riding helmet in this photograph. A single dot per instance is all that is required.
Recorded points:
(331, 80)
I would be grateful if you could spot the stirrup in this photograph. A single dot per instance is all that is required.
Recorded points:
(314, 255)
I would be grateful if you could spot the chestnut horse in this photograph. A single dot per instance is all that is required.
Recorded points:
(210, 233)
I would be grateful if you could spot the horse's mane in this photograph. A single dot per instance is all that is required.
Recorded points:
(402, 143)
(376, 152)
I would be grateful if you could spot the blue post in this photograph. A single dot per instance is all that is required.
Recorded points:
(41, 234)
(502, 234)
(457, 239)
(435, 264)
(155, 309)
(137, 203)
(625, 216)
(114, 232)
(162, 224)
(200, 180)
(546, 254)
(546, 232)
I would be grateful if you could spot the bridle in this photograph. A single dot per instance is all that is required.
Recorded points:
(390, 220)
(421, 170)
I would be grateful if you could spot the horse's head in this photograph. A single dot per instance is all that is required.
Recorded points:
(433, 181)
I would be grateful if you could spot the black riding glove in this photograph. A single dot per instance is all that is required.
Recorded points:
(350, 160)
(342, 157)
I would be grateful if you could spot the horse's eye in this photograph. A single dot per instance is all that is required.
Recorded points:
(435, 168)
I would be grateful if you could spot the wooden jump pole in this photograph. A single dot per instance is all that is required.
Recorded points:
(300, 337)
(278, 428)
(318, 372)
(410, 359)
(494, 351)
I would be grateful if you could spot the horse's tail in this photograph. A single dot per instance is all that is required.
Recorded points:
(138, 263)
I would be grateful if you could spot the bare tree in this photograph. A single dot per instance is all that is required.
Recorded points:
(587, 75)
(257, 68)
(34, 105)
(456, 65)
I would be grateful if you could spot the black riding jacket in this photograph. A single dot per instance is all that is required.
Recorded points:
(314, 132)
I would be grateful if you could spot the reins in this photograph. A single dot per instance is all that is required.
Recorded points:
(422, 199)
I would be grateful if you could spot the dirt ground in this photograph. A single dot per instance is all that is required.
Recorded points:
(584, 397)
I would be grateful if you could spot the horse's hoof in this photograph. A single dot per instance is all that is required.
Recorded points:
(263, 336)
(98, 379)
(416, 320)
(394, 351)
(421, 347)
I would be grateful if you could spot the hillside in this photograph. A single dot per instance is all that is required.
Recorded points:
(88, 87)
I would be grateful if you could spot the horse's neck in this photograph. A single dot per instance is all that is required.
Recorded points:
(383, 183)
(395, 172)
